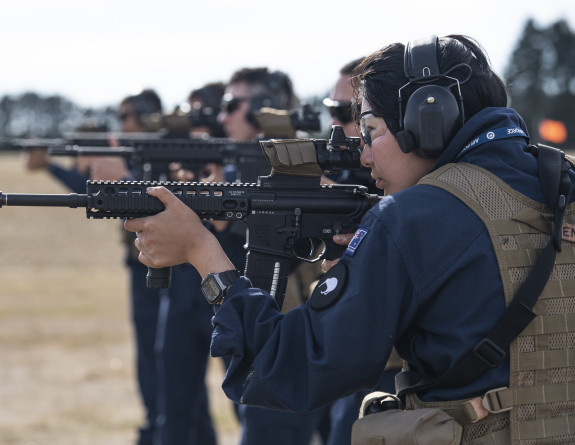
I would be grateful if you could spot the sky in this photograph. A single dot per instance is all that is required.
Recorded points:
(95, 53)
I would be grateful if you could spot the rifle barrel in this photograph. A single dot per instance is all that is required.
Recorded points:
(71, 200)
(75, 150)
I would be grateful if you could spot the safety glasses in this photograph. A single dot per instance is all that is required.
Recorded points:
(125, 115)
(364, 128)
(231, 104)
(342, 113)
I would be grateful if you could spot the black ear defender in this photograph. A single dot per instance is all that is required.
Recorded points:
(279, 85)
(432, 114)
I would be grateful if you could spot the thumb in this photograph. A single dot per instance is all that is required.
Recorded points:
(163, 194)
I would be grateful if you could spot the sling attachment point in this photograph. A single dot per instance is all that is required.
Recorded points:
(493, 402)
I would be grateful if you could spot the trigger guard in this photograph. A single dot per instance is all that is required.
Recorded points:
(317, 258)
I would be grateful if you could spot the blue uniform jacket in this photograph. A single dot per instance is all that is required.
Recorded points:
(423, 277)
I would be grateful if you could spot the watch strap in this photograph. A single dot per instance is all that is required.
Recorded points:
(228, 277)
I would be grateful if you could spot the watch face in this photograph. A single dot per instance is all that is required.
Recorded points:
(211, 289)
(215, 285)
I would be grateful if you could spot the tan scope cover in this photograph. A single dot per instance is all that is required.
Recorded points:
(292, 156)
(275, 123)
(171, 122)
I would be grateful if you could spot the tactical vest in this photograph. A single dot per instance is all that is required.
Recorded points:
(538, 407)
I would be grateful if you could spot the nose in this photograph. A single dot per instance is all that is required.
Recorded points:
(366, 157)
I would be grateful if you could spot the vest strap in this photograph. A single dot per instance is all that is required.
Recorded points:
(491, 351)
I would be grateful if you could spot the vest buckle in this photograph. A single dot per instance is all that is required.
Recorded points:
(489, 353)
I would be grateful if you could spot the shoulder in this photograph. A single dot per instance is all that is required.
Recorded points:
(430, 228)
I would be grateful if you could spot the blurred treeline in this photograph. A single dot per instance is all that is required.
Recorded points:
(540, 77)
(33, 115)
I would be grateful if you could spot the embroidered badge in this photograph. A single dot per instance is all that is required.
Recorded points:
(357, 238)
(568, 232)
(329, 288)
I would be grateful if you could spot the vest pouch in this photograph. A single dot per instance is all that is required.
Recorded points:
(426, 426)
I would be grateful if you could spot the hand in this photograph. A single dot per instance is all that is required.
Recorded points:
(325, 180)
(112, 168)
(176, 236)
(213, 173)
(177, 173)
(342, 239)
(35, 158)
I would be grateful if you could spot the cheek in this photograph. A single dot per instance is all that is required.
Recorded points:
(386, 153)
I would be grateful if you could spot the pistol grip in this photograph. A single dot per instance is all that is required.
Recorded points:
(333, 251)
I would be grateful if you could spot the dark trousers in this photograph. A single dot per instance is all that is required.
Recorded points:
(172, 334)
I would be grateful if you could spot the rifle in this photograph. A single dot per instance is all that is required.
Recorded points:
(151, 153)
(150, 157)
(176, 126)
(273, 123)
(280, 210)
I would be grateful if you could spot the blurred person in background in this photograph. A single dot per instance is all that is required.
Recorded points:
(340, 102)
(74, 177)
(172, 327)
(204, 106)
(249, 90)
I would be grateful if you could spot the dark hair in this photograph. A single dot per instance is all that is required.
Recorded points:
(210, 94)
(348, 68)
(275, 84)
(145, 102)
(381, 74)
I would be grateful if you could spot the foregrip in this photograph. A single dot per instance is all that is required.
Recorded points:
(159, 278)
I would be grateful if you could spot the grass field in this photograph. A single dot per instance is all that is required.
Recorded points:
(66, 347)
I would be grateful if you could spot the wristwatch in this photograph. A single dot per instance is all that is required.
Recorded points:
(215, 285)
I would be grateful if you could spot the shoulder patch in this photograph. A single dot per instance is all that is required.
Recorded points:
(329, 288)
(357, 238)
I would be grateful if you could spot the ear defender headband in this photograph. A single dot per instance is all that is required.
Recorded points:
(432, 114)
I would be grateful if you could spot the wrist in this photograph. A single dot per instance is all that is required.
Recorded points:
(209, 257)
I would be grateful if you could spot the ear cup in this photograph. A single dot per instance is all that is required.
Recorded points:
(256, 104)
(430, 121)
(406, 141)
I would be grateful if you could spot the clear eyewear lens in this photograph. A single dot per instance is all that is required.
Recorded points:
(363, 131)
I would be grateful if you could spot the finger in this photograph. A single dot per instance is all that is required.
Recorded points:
(113, 141)
(142, 258)
(163, 194)
(343, 239)
(326, 265)
(185, 175)
(134, 225)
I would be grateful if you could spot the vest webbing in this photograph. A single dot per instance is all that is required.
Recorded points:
(541, 393)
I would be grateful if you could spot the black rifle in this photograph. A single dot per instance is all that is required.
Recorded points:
(280, 210)
(150, 153)
(173, 127)
(273, 123)
(150, 158)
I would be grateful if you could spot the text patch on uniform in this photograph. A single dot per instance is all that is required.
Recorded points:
(329, 288)
(357, 238)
